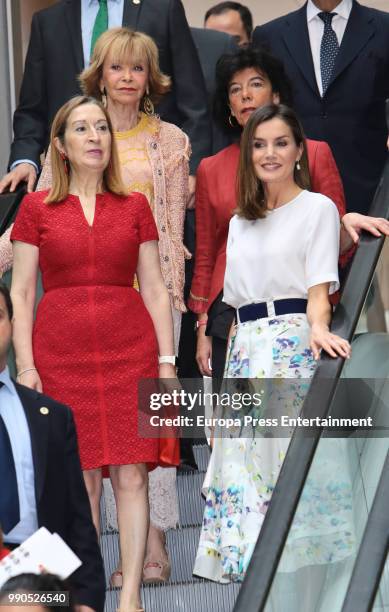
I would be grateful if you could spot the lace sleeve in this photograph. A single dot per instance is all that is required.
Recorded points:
(45, 179)
(5, 252)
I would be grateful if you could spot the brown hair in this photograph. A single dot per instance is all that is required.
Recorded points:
(112, 180)
(251, 195)
(124, 44)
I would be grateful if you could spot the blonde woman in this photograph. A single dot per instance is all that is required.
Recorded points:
(124, 75)
(94, 336)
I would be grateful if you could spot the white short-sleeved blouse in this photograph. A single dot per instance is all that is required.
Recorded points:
(281, 256)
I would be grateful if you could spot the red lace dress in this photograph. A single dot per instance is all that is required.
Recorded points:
(93, 339)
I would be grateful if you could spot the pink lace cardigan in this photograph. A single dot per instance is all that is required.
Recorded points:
(168, 150)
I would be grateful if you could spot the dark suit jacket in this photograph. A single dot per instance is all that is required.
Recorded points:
(210, 45)
(351, 115)
(61, 498)
(55, 58)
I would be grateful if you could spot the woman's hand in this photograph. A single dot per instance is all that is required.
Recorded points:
(354, 223)
(322, 338)
(30, 379)
(204, 352)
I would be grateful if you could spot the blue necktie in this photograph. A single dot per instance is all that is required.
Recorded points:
(9, 498)
(328, 49)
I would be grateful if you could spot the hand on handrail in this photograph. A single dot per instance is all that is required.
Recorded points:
(22, 172)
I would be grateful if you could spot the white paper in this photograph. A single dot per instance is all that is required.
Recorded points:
(43, 551)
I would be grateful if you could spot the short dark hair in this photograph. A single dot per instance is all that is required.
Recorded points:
(4, 291)
(32, 583)
(244, 12)
(249, 57)
(251, 195)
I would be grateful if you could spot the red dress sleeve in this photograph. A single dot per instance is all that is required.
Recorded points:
(26, 226)
(146, 224)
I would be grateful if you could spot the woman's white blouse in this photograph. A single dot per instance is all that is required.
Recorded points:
(292, 249)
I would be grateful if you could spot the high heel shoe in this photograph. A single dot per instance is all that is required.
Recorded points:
(156, 572)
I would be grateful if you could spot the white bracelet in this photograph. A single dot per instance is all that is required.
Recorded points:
(19, 374)
(167, 359)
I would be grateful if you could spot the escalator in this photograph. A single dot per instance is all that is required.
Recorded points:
(357, 389)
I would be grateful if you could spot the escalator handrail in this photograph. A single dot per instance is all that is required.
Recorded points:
(373, 551)
(9, 204)
(301, 451)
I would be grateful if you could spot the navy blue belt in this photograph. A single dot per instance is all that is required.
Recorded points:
(252, 312)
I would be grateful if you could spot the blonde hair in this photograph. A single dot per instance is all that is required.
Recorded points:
(112, 180)
(124, 44)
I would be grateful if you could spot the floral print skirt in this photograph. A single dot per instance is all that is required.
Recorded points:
(244, 467)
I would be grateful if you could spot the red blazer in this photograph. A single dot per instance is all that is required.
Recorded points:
(216, 201)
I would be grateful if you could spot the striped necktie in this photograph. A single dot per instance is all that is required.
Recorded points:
(101, 23)
(9, 497)
(328, 49)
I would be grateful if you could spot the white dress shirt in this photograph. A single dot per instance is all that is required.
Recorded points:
(89, 10)
(316, 30)
(13, 415)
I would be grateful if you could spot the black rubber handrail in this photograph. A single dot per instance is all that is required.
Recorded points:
(290, 484)
(373, 551)
(9, 204)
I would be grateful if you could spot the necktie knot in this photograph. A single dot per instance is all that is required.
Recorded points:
(326, 18)
(103, 2)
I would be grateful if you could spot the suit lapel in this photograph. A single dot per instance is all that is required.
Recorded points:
(38, 425)
(131, 13)
(73, 23)
(296, 38)
(359, 30)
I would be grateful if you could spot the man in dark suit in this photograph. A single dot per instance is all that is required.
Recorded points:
(40, 475)
(337, 56)
(58, 51)
(210, 45)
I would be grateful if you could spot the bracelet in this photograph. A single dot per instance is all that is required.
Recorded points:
(167, 359)
(19, 374)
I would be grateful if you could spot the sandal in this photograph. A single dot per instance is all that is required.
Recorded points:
(156, 572)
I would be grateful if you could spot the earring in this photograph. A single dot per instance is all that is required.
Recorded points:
(230, 120)
(65, 162)
(104, 97)
(298, 167)
(148, 106)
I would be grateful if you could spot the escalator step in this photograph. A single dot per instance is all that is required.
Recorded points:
(196, 597)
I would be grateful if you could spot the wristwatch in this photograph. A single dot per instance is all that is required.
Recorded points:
(167, 359)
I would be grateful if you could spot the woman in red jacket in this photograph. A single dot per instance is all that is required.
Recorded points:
(245, 81)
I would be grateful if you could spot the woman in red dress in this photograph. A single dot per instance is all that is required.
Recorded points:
(95, 337)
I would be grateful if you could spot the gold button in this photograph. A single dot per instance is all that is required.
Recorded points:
(44, 410)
